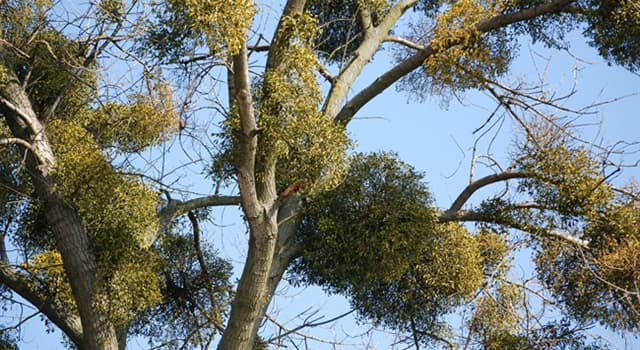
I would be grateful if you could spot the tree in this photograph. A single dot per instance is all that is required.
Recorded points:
(105, 250)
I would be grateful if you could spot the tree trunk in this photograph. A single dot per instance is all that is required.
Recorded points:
(67, 225)
(79, 263)
(252, 293)
(261, 277)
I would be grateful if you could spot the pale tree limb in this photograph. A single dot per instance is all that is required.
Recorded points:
(404, 42)
(346, 113)
(373, 38)
(482, 182)
(259, 202)
(70, 233)
(474, 216)
(23, 143)
(248, 141)
(15, 49)
(175, 208)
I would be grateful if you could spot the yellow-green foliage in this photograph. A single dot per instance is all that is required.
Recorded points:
(132, 287)
(494, 250)
(4, 75)
(47, 276)
(375, 238)
(54, 61)
(225, 22)
(119, 214)
(614, 234)
(614, 27)
(594, 283)
(18, 18)
(453, 265)
(107, 201)
(496, 318)
(566, 178)
(307, 145)
(50, 63)
(465, 57)
(378, 6)
(457, 23)
(144, 120)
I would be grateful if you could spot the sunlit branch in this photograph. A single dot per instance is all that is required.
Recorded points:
(15, 49)
(416, 60)
(24, 116)
(177, 207)
(482, 182)
(402, 41)
(248, 142)
(474, 216)
(634, 196)
(23, 143)
(324, 72)
(363, 54)
(364, 15)
(4, 258)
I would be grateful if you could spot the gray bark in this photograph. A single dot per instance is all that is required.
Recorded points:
(67, 225)
(384, 81)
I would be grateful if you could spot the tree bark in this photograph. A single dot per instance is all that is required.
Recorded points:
(259, 207)
(69, 323)
(251, 296)
(381, 83)
(65, 222)
(81, 269)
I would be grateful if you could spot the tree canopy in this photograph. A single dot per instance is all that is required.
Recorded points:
(104, 104)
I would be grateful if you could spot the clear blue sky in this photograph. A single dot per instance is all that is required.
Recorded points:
(436, 141)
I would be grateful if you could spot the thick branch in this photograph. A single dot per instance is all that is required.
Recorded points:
(68, 323)
(405, 42)
(472, 216)
(66, 223)
(279, 44)
(26, 117)
(248, 139)
(16, 107)
(176, 208)
(482, 182)
(416, 60)
(23, 143)
(373, 38)
(15, 49)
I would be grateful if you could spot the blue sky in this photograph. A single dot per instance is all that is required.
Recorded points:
(436, 141)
